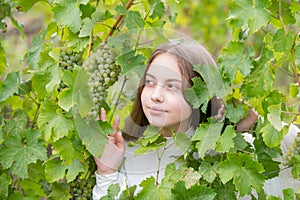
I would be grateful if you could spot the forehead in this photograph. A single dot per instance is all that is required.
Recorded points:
(165, 65)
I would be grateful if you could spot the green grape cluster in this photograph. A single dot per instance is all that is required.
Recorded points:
(82, 189)
(103, 73)
(293, 150)
(68, 60)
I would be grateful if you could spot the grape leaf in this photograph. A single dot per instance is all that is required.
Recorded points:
(17, 155)
(212, 78)
(112, 192)
(25, 5)
(235, 113)
(52, 122)
(66, 150)
(226, 191)
(2, 60)
(34, 51)
(16, 125)
(54, 170)
(282, 41)
(207, 171)
(271, 136)
(199, 192)
(150, 191)
(182, 140)
(5, 181)
(245, 172)
(274, 116)
(129, 60)
(266, 155)
(207, 136)
(91, 134)
(226, 140)
(10, 86)
(236, 57)
(158, 9)
(134, 20)
(78, 93)
(254, 14)
(198, 94)
(68, 13)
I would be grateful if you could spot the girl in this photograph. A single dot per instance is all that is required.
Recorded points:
(161, 103)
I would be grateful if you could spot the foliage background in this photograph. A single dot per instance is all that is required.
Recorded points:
(257, 47)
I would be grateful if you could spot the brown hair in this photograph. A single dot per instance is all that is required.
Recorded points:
(188, 54)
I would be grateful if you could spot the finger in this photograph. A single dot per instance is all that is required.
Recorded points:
(116, 123)
(103, 115)
(120, 140)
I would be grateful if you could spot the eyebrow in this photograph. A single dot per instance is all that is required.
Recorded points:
(168, 80)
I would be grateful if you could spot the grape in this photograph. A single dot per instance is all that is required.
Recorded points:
(82, 188)
(293, 150)
(103, 73)
(68, 60)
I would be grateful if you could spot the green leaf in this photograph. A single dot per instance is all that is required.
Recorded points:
(87, 27)
(235, 113)
(266, 155)
(271, 136)
(33, 54)
(207, 136)
(91, 134)
(2, 60)
(274, 116)
(226, 140)
(282, 41)
(254, 14)
(5, 181)
(54, 170)
(288, 194)
(182, 140)
(158, 9)
(53, 123)
(236, 57)
(212, 78)
(150, 191)
(226, 191)
(208, 171)
(25, 5)
(10, 86)
(134, 20)
(198, 94)
(78, 93)
(64, 147)
(16, 125)
(245, 172)
(17, 155)
(112, 192)
(129, 60)
(199, 192)
(68, 13)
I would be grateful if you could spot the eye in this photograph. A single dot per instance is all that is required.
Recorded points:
(149, 83)
(173, 87)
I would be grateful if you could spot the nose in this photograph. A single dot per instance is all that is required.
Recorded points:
(158, 94)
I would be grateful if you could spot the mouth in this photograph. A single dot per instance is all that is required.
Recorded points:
(156, 110)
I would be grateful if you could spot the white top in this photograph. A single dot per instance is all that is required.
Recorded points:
(137, 168)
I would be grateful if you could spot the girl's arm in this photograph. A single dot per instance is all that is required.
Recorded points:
(111, 159)
(247, 123)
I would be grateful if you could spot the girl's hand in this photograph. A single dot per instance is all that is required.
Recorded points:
(114, 150)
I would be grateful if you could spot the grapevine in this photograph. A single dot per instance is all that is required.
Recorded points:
(103, 73)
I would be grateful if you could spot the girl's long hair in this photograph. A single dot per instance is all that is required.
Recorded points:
(188, 54)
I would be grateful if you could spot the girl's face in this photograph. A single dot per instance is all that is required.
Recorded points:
(162, 97)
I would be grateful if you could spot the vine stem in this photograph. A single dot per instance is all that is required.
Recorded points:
(119, 96)
(128, 5)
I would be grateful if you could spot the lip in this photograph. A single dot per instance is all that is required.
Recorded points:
(156, 110)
